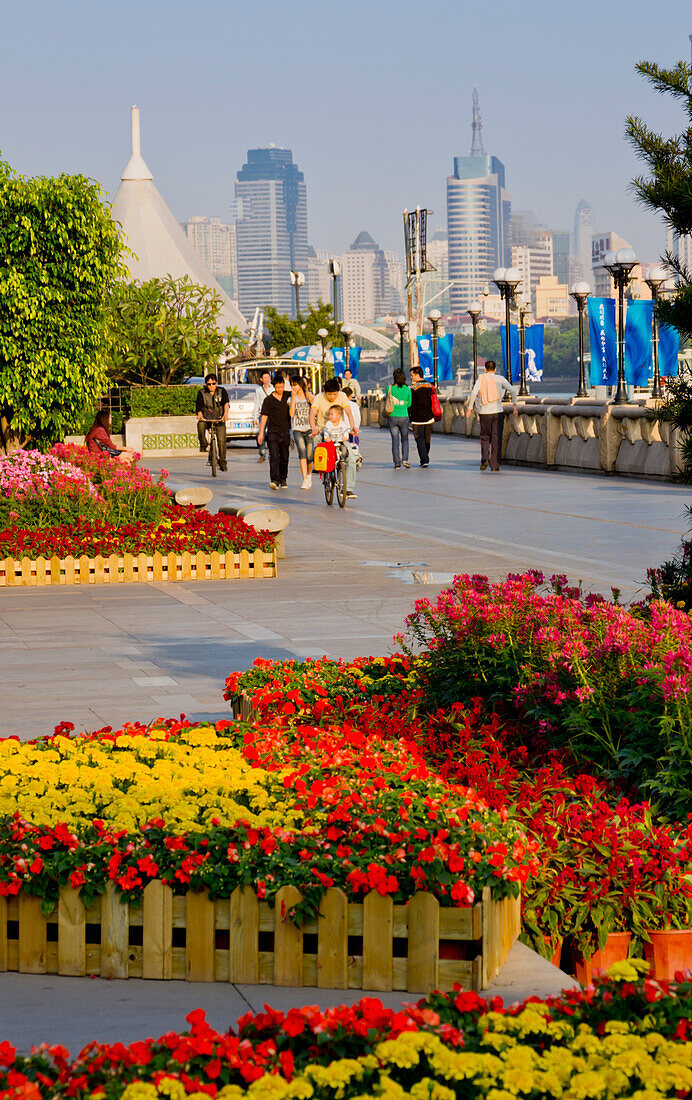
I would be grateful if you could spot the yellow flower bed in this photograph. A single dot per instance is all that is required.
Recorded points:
(577, 1064)
(188, 780)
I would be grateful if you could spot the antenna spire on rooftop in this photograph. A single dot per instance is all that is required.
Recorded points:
(477, 148)
(136, 144)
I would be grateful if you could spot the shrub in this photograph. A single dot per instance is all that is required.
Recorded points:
(38, 491)
(162, 400)
(129, 493)
(613, 686)
(672, 581)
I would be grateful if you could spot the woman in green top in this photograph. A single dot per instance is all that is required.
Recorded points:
(398, 418)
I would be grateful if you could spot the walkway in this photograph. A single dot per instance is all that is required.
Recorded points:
(105, 654)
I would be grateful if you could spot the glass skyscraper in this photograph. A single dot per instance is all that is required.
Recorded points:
(272, 229)
(478, 226)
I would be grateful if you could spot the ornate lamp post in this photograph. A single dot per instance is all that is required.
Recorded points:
(507, 280)
(297, 280)
(524, 319)
(474, 311)
(401, 324)
(655, 280)
(346, 331)
(620, 265)
(580, 292)
(434, 318)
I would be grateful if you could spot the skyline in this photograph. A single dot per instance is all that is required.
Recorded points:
(339, 94)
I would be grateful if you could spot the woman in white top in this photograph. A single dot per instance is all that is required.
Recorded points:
(301, 400)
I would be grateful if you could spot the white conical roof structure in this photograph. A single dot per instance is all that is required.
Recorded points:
(151, 232)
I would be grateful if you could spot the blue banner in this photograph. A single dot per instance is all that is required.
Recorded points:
(514, 349)
(339, 359)
(301, 353)
(668, 351)
(533, 347)
(444, 357)
(638, 351)
(425, 357)
(604, 348)
(354, 360)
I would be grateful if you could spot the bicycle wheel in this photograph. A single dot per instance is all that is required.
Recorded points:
(328, 480)
(213, 451)
(341, 484)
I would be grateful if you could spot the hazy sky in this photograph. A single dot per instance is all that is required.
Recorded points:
(372, 96)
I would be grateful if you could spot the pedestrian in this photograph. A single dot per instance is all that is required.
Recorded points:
(486, 396)
(266, 384)
(299, 408)
(421, 414)
(330, 395)
(398, 418)
(275, 423)
(337, 429)
(212, 406)
(352, 384)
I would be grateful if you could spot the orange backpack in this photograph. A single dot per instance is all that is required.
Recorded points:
(324, 459)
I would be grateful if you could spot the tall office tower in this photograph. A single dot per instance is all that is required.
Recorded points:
(215, 244)
(396, 281)
(561, 255)
(317, 277)
(582, 236)
(435, 282)
(365, 290)
(478, 215)
(272, 229)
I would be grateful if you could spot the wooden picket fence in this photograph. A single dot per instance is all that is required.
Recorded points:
(130, 568)
(372, 945)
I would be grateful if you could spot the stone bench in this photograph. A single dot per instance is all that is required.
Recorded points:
(261, 517)
(195, 495)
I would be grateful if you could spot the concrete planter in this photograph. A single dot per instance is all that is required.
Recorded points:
(162, 436)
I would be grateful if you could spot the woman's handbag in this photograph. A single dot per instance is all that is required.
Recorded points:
(389, 404)
(436, 406)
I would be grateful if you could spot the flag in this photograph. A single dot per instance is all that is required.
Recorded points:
(533, 347)
(354, 360)
(668, 351)
(444, 358)
(339, 359)
(640, 315)
(604, 354)
(425, 356)
(514, 349)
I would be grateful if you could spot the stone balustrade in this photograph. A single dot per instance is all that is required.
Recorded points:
(568, 433)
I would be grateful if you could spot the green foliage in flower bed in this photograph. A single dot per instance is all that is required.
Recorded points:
(147, 401)
(613, 686)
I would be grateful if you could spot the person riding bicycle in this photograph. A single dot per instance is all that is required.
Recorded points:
(212, 405)
(336, 429)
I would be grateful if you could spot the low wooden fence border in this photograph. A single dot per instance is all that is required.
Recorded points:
(129, 568)
(372, 945)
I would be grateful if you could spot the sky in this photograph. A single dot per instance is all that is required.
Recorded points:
(372, 96)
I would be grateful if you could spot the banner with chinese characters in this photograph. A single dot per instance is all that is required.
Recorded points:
(604, 348)
(638, 351)
(444, 357)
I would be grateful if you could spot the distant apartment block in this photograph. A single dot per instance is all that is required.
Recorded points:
(215, 244)
(317, 278)
(534, 262)
(552, 298)
(272, 229)
(365, 291)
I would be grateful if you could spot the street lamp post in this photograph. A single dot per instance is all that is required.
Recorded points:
(434, 318)
(620, 265)
(323, 334)
(297, 280)
(655, 280)
(524, 312)
(507, 280)
(346, 331)
(580, 292)
(335, 271)
(401, 323)
(474, 312)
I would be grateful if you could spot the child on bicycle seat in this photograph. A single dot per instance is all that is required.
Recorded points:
(336, 429)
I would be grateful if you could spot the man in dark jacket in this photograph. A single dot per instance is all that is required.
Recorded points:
(420, 414)
(212, 404)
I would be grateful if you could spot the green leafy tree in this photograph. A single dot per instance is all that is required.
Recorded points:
(60, 260)
(165, 329)
(668, 190)
(291, 332)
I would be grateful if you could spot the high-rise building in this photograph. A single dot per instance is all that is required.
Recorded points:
(215, 244)
(534, 262)
(272, 228)
(478, 217)
(436, 282)
(561, 255)
(601, 280)
(680, 247)
(317, 277)
(396, 281)
(365, 287)
(582, 236)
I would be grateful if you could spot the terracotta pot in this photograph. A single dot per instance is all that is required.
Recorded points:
(615, 950)
(669, 950)
(556, 955)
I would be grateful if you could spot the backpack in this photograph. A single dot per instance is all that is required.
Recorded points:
(436, 406)
(324, 458)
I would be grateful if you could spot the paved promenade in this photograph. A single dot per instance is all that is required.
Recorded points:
(103, 654)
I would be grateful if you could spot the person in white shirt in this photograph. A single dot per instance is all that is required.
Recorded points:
(352, 384)
(337, 429)
(267, 388)
(486, 397)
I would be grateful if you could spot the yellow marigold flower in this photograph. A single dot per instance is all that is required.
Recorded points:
(586, 1084)
(172, 1088)
(627, 970)
(140, 1090)
(613, 1026)
(230, 1092)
